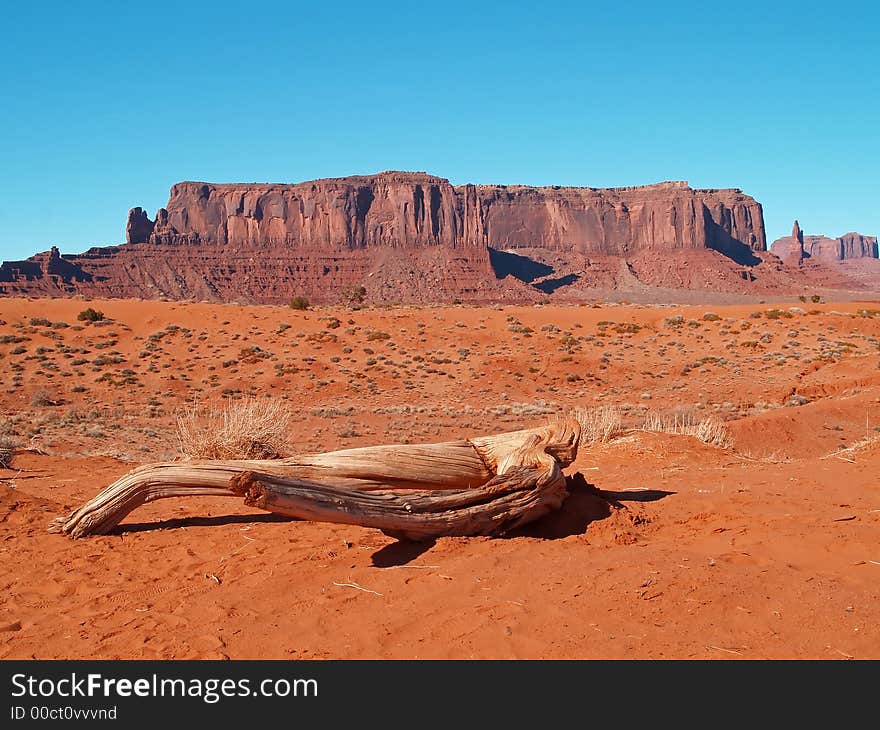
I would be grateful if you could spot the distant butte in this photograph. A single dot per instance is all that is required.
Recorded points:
(797, 247)
(410, 237)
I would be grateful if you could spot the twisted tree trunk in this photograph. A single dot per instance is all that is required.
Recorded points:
(482, 486)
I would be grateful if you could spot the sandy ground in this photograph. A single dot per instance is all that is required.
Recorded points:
(668, 547)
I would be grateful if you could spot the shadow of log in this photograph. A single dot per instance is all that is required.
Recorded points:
(584, 505)
(400, 553)
(642, 495)
(215, 521)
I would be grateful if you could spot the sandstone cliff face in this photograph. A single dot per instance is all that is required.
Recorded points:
(857, 246)
(409, 210)
(404, 236)
(396, 210)
(620, 221)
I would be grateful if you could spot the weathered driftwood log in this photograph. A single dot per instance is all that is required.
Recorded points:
(481, 486)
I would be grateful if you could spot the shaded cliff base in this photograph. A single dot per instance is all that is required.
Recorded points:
(683, 276)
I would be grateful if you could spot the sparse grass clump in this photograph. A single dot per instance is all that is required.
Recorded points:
(90, 315)
(709, 430)
(240, 429)
(299, 303)
(600, 425)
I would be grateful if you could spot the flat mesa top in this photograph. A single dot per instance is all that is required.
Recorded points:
(423, 178)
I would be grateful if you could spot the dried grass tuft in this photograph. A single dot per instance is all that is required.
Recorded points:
(600, 425)
(709, 430)
(240, 429)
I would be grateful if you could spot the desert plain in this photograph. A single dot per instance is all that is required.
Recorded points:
(760, 541)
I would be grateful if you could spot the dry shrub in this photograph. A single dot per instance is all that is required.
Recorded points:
(42, 397)
(709, 430)
(240, 429)
(600, 424)
(8, 445)
(90, 315)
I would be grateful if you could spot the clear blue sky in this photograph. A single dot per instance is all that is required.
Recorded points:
(105, 105)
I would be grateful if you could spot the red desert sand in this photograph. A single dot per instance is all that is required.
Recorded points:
(755, 534)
